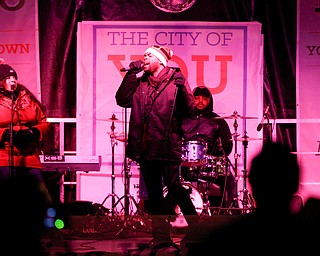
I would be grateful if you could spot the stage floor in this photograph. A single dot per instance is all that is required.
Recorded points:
(101, 235)
(135, 245)
(105, 235)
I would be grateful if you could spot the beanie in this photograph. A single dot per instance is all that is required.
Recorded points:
(202, 91)
(6, 70)
(163, 54)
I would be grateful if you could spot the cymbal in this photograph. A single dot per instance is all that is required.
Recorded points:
(121, 137)
(306, 153)
(246, 138)
(235, 116)
(114, 119)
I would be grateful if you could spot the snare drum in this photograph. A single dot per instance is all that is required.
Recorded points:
(194, 153)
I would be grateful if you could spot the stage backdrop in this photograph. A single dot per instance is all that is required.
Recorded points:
(308, 91)
(226, 57)
(19, 45)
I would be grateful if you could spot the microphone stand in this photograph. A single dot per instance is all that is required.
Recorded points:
(269, 129)
(11, 159)
(126, 169)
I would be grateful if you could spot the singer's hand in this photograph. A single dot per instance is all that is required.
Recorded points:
(179, 79)
(136, 66)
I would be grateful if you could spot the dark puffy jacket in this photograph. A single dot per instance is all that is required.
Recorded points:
(202, 127)
(171, 103)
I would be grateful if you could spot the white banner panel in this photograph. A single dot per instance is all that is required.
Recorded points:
(19, 45)
(308, 91)
(227, 57)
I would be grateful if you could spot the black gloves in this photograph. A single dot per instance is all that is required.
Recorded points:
(6, 135)
(24, 137)
(136, 66)
(179, 79)
(21, 138)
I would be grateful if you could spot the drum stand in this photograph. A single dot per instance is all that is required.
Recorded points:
(206, 211)
(132, 219)
(112, 195)
(247, 201)
(234, 203)
(129, 220)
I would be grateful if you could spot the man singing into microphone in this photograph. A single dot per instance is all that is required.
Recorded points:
(158, 100)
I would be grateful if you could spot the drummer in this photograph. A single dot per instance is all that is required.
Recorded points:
(204, 127)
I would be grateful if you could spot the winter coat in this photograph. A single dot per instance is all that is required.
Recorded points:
(27, 114)
(160, 121)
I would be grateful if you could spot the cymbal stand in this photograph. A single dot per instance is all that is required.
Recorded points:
(127, 197)
(234, 203)
(247, 201)
(129, 214)
(206, 211)
(112, 195)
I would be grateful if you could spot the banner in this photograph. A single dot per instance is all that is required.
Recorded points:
(19, 45)
(308, 91)
(227, 57)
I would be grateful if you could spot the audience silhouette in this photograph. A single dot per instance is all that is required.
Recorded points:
(272, 227)
(23, 209)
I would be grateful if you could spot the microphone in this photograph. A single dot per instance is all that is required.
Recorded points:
(13, 86)
(259, 127)
(125, 69)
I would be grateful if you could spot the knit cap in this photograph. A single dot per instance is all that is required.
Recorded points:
(6, 70)
(163, 54)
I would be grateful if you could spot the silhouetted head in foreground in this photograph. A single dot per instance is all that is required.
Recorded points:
(274, 178)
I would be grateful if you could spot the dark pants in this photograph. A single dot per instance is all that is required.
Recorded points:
(156, 175)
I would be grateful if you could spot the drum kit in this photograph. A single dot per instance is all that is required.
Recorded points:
(204, 169)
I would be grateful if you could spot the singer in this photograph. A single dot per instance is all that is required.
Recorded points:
(158, 100)
(23, 126)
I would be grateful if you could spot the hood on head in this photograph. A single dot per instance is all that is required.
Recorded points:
(204, 91)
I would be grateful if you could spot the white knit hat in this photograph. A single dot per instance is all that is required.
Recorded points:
(163, 54)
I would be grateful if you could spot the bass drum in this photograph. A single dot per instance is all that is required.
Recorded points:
(179, 221)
